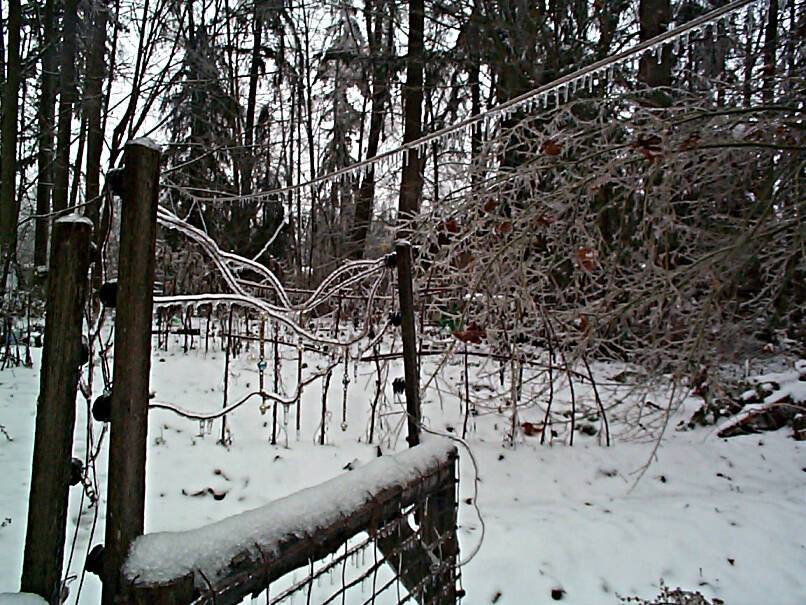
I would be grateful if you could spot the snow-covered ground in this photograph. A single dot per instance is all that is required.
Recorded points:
(725, 517)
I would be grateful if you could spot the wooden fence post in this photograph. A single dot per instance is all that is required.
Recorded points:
(56, 409)
(129, 418)
(409, 337)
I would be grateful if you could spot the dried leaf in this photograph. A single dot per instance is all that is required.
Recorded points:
(473, 334)
(587, 258)
(530, 429)
(551, 147)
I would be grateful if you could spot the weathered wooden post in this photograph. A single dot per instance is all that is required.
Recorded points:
(127, 446)
(56, 408)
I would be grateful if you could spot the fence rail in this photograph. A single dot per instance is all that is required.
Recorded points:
(402, 508)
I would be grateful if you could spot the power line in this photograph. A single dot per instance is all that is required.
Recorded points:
(538, 96)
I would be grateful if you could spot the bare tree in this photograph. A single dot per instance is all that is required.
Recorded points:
(47, 101)
(9, 204)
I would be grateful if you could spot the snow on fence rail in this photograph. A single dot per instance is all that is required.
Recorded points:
(243, 555)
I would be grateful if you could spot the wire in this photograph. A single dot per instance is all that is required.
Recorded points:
(539, 94)
(483, 526)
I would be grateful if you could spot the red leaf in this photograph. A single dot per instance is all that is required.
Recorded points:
(530, 429)
(649, 145)
(587, 258)
(503, 228)
(551, 147)
(473, 334)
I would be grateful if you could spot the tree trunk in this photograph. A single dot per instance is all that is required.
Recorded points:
(47, 103)
(67, 94)
(411, 187)
(654, 16)
(380, 97)
(93, 114)
(9, 208)
(93, 108)
(243, 211)
(770, 44)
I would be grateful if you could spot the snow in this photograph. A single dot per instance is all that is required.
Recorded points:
(163, 556)
(74, 218)
(725, 517)
(145, 142)
(789, 386)
(21, 598)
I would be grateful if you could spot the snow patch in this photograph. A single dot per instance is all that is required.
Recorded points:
(74, 218)
(146, 142)
(164, 556)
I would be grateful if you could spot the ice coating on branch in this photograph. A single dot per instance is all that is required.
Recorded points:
(164, 556)
(74, 218)
(146, 142)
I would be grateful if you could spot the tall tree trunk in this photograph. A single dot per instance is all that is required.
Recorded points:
(47, 101)
(243, 211)
(768, 91)
(474, 70)
(749, 60)
(9, 207)
(311, 149)
(655, 72)
(93, 107)
(770, 44)
(251, 102)
(380, 97)
(411, 187)
(67, 94)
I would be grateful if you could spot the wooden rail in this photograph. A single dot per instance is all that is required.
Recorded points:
(428, 490)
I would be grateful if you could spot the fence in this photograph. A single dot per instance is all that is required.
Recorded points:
(400, 509)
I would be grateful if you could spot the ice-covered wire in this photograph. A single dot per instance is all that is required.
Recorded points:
(205, 416)
(223, 260)
(537, 95)
(273, 312)
(271, 239)
(473, 461)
